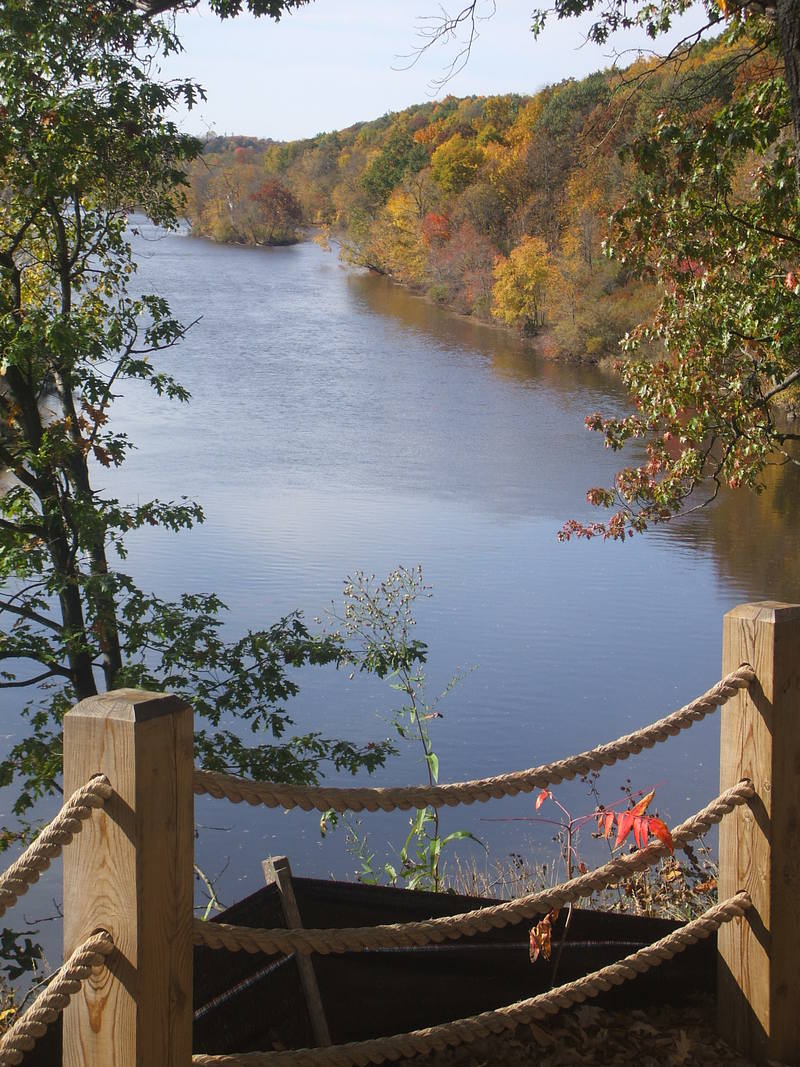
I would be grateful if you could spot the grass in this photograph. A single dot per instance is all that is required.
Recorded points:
(678, 887)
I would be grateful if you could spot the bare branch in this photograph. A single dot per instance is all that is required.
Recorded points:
(446, 28)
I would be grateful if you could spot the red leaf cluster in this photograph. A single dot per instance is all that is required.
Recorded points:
(435, 228)
(635, 819)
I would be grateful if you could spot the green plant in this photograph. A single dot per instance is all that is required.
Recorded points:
(376, 627)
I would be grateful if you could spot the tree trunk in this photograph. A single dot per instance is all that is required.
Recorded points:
(102, 601)
(788, 19)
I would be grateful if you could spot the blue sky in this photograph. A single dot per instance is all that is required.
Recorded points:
(337, 62)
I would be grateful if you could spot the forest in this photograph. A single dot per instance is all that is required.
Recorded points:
(498, 207)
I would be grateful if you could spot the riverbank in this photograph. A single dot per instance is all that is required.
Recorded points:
(542, 344)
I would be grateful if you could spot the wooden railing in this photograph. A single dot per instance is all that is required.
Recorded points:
(129, 872)
(758, 982)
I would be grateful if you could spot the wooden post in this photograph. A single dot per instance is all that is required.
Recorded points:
(759, 844)
(277, 870)
(130, 872)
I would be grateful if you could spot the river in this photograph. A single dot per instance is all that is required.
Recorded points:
(339, 423)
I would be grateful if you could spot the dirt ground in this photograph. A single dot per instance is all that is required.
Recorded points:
(588, 1035)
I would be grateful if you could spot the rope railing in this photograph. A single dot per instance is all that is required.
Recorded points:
(48, 1006)
(465, 1031)
(758, 736)
(25, 871)
(481, 920)
(324, 798)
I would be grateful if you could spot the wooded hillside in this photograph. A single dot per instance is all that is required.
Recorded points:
(495, 206)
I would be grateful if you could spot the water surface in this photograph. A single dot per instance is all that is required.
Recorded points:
(339, 423)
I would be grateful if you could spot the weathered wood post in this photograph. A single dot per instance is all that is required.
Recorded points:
(278, 871)
(130, 872)
(759, 844)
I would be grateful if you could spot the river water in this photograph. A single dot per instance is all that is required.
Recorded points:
(339, 423)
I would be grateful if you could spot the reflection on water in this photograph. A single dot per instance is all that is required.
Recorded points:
(510, 355)
(755, 541)
(338, 423)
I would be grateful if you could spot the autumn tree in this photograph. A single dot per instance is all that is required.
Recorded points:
(399, 156)
(279, 212)
(714, 220)
(228, 212)
(455, 163)
(521, 282)
(392, 243)
(460, 269)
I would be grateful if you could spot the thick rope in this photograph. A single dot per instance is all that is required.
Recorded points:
(276, 795)
(449, 927)
(25, 871)
(47, 1007)
(463, 1031)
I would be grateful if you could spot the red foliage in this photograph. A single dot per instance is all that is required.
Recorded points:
(435, 229)
(280, 209)
(635, 819)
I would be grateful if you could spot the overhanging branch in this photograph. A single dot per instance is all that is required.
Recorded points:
(31, 616)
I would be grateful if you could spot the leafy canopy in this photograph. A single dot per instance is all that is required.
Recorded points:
(714, 218)
(86, 132)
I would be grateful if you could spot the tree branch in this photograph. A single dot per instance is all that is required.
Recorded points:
(434, 28)
(31, 615)
(782, 386)
(33, 681)
(22, 527)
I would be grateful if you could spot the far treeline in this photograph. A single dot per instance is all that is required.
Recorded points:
(496, 206)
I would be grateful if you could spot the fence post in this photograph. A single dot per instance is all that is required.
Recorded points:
(130, 872)
(759, 844)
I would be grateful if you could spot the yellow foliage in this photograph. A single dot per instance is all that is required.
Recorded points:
(525, 122)
(521, 283)
(394, 242)
(455, 163)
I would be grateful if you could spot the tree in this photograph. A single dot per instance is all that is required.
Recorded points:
(714, 219)
(228, 211)
(85, 132)
(779, 25)
(778, 28)
(455, 163)
(520, 286)
(279, 211)
(400, 155)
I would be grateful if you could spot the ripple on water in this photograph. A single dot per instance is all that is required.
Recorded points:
(339, 423)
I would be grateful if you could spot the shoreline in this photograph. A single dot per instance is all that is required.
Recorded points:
(539, 344)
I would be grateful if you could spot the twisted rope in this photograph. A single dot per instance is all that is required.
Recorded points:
(450, 927)
(25, 871)
(276, 795)
(463, 1031)
(47, 1007)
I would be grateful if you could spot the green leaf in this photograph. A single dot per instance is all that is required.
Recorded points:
(433, 765)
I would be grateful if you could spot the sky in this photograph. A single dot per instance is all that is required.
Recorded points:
(337, 62)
